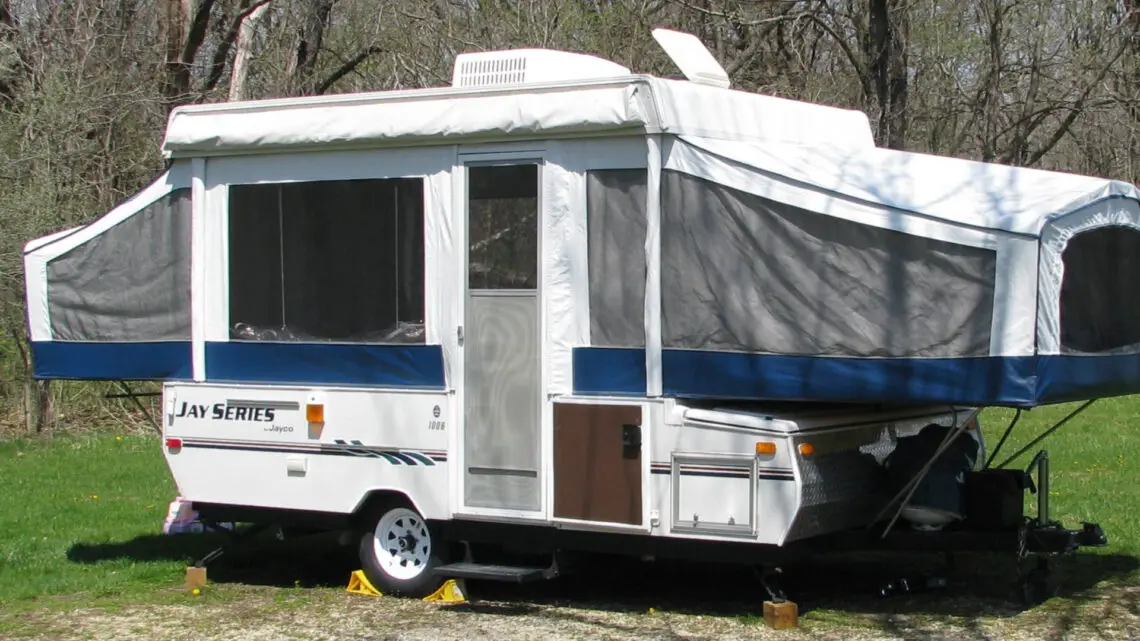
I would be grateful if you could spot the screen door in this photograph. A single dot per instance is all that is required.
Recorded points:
(502, 369)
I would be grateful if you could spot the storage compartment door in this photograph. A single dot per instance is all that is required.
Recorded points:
(597, 463)
(714, 495)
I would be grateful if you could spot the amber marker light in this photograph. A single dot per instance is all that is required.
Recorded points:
(315, 413)
(765, 447)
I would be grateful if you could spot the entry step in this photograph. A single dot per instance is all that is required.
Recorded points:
(480, 571)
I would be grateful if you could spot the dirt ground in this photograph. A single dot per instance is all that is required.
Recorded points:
(1112, 614)
(1098, 602)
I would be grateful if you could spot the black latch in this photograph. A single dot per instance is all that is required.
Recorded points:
(630, 441)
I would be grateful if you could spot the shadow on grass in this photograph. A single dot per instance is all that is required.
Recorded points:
(840, 586)
(308, 561)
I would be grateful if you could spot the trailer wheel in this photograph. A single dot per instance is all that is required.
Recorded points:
(398, 553)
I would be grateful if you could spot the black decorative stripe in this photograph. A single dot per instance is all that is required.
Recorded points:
(664, 468)
(274, 405)
(340, 448)
(764, 475)
(718, 475)
(404, 458)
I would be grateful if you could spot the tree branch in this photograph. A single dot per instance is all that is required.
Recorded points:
(1077, 108)
(755, 40)
(748, 23)
(348, 67)
(848, 52)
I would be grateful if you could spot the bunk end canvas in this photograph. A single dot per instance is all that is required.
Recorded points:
(801, 272)
(123, 297)
(111, 300)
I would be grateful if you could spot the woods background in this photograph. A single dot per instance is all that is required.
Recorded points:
(86, 85)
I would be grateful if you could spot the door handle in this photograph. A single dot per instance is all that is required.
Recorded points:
(459, 334)
(630, 441)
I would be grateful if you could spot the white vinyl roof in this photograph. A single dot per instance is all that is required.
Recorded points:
(631, 104)
(961, 192)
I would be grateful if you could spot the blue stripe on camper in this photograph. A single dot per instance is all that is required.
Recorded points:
(610, 371)
(928, 380)
(419, 366)
(1021, 381)
(1076, 378)
(112, 361)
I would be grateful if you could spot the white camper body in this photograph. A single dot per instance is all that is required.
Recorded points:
(695, 474)
(529, 301)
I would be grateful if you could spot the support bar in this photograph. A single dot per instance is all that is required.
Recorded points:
(1047, 433)
(1008, 431)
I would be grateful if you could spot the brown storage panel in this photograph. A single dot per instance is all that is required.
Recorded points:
(597, 462)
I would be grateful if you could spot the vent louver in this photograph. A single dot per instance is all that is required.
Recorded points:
(528, 66)
(491, 71)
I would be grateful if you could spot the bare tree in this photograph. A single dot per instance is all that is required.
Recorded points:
(86, 85)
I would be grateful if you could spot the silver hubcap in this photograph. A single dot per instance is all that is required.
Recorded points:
(402, 544)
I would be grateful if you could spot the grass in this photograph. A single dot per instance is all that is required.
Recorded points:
(1094, 461)
(81, 516)
(66, 502)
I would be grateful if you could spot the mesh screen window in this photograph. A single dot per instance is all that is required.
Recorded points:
(327, 261)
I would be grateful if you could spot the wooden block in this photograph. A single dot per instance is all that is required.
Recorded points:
(195, 578)
(782, 615)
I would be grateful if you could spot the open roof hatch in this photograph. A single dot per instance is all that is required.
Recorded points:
(692, 58)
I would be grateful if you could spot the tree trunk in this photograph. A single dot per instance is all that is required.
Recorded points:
(241, 57)
(185, 26)
(37, 407)
(308, 46)
(37, 404)
(886, 52)
(13, 56)
(172, 29)
(897, 80)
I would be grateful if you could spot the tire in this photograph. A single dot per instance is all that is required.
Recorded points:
(399, 551)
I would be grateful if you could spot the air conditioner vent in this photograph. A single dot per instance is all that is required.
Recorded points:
(526, 66)
(492, 71)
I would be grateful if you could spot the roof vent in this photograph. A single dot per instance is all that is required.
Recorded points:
(525, 66)
(692, 58)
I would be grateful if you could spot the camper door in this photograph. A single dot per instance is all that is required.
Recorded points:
(501, 443)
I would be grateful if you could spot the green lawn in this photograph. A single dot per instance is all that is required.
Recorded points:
(81, 517)
(69, 502)
(1095, 462)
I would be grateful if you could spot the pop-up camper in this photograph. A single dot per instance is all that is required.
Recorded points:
(563, 303)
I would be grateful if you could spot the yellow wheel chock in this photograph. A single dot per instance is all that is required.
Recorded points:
(359, 584)
(451, 591)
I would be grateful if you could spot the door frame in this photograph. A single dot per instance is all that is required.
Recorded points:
(501, 154)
